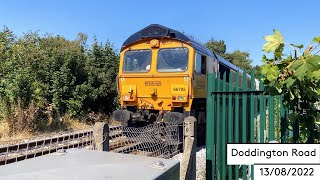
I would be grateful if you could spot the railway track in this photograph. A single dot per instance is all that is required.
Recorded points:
(82, 139)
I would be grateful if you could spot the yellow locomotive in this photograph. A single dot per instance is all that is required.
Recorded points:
(162, 76)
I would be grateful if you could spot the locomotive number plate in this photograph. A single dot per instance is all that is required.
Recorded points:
(152, 83)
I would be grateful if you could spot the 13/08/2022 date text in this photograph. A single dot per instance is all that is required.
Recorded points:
(287, 171)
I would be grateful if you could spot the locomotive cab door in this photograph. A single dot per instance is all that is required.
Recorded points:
(199, 80)
(199, 101)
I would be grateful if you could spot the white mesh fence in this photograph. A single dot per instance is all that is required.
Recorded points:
(161, 139)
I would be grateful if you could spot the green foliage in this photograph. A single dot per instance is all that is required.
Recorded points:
(238, 58)
(256, 71)
(316, 39)
(51, 71)
(297, 79)
(218, 47)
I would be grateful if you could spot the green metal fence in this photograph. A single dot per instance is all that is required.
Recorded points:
(239, 111)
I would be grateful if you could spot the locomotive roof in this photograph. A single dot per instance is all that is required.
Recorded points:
(159, 31)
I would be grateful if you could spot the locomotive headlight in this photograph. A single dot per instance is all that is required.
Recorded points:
(126, 97)
(185, 79)
(154, 43)
(179, 99)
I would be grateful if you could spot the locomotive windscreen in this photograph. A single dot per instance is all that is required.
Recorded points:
(172, 60)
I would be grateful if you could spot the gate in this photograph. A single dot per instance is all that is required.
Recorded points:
(239, 112)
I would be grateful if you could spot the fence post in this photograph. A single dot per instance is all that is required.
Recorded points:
(210, 127)
(188, 164)
(101, 136)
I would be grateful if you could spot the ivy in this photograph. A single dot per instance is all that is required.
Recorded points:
(297, 78)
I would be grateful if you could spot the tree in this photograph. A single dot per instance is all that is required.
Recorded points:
(102, 66)
(256, 69)
(238, 58)
(218, 47)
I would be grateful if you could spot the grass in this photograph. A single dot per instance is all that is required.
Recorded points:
(20, 129)
(112, 122)
(68, 125)
(5, 134)
(46, 128)
(19, 123)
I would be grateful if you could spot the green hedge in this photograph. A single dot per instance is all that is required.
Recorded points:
(52, 72)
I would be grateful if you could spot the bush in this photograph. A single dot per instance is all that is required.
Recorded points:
(38, 73)
(297, 79)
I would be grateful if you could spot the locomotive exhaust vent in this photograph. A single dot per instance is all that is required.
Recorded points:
(154, 31)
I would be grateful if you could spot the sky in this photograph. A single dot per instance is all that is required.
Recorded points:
(242, 24)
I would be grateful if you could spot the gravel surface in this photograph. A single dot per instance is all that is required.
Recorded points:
(201, 162)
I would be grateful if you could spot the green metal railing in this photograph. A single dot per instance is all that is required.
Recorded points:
(238, 112)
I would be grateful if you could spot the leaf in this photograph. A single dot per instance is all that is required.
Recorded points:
(270, 72)
(274, 73)
(291, 95)
(296, 64)
(289, 82)
(273, 41)
(278, 87)
(278, 52)
(297, 46)
(316, 74)
(264, 59)
(301, 67)
(316, 39)
(297, 93)
(265, 69)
